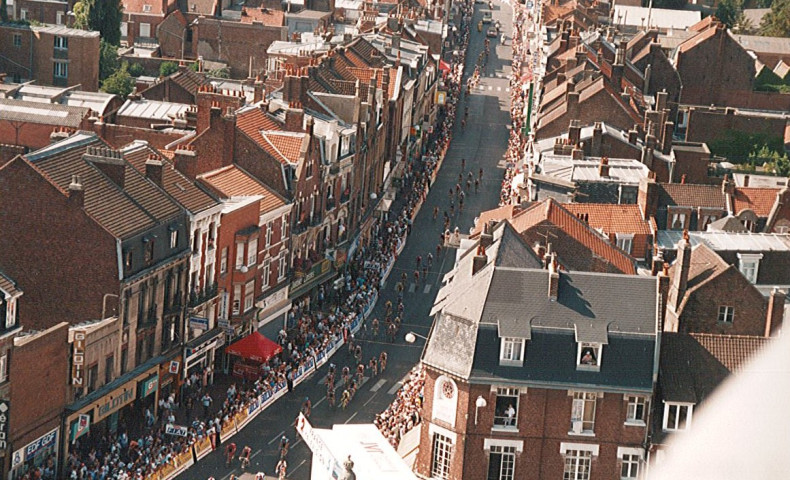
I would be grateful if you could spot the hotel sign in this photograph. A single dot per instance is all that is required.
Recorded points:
(113, 402)
(78, 359)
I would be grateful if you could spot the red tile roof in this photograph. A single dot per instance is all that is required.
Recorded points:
(267, 16)
(497, 214)
(284, 146)
(690, 195)
(157, 7)
(611, 218)
(732, 351)
(758, 200)
(232, 181)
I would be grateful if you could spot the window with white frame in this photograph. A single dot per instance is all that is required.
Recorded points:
(239, 255)
(637, 409)
(266, 274)
(174, 239)
(60, 69)
(146, 8)
(124, 29)
(269, 233)
(236, 309)
(726, 313)
(61, 43)
(577, 465)
(59, 17)
(23, 14)
(249, 295)
(281, 267)
(749, 265)
(440, 457)
(4, 368)
(223, 261)
(677, 416)
(252, 252)
(589, 355)
(506, 407)
(511, 351)
(501, 463)
(17, 40)
(145, 29)
(625, 242)
(629, 468)
(707, 220)
(583, 413)
(678, 221)
(284, 227)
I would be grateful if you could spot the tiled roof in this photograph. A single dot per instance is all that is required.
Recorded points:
(232, 181)
(552, 212)
(758, 200)
(270, 17)
(284, 146)
(705, 265)
(189, 80)
(690, 195)
(137, 206)
(44, 113)
(182, 189)
(496, 214)
(8, 285)
(201, 7)
(611, 218)
(136, 6)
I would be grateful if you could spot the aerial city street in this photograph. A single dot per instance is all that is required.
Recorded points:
(393, 240)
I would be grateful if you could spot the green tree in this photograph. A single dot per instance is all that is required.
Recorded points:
(136, 70)
(167, 68)
(729, 12)
(109, 61)
(120, 82)
(223, 72)
(776, 23)
(103, 16)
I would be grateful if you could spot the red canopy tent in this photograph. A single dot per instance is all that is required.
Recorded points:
(254, 347)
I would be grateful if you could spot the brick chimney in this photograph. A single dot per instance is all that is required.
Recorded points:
(577, 153)
(666, 137)
(480, 260)
(658, 263)
(727, 185)
(186, 161)
(663, 293)
(681, 277)
(574, 132)
(110, 163)
(294, 117)
(259, 91)
(647, 197)
(776, 310)
(572, 100)
(633, 135)
(153, 169)
(58, 134)
(597, 138)
(554, 278)
(603, 168)
(76, 191)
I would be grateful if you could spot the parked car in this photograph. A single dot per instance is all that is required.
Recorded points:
(487, 17)
(492, 32)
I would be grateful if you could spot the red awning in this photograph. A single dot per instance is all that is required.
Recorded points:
(254, 347)
(444, 66)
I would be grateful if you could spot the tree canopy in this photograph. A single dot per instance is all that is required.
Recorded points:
(776, 23)
(103, 16)
(120, 83)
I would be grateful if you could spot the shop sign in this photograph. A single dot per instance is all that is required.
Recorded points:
(317, 270)
(177, 430)
(441, 97)
(199, 323)
(80, 427)
(5, 410)
(274, 299)
(193, 353)
(174, 366)
(113, 402)
(149, 386)
(78, 359)
(33, 448)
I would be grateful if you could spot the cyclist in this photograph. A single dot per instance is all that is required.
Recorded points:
(373, 365)
(330, 397)
(346, 374)
(344, 399)
(245, 457)
(284, 444)
(281, 468)
(375, 325)
(383, 361)
(307, 407)
(230, 452)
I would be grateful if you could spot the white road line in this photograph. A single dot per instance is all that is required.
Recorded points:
(507, 89)
(384, 285)
(378, 385)
(322, 380)
(255, 454)
(412, 287)
(370, 399)
(276, 437)
(319, 402)
(298, 442)
(302, 463)
(498, 89)
(394, 388)
(351, 417)
(490, 88)
(427, 288)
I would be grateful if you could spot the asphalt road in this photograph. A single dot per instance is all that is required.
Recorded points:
(482, 143)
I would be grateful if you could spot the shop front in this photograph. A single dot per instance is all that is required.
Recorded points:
(201, 353)
(274, 306)
(41, 452)
(302, 286)
(170, 375)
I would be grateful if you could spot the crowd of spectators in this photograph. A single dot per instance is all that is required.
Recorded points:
(403, 413)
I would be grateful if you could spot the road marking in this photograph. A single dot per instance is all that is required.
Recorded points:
(255, 454)
(370, 399)
(319, 402)
(384, 285)
(394, 388)
(498, 89)
(322, 379)
(412, 287)
(378, 385)
(297, 442)
(507, 89)
(350, 418)
(427, 288)
(276, 437)
(490, 88)
(302, 463)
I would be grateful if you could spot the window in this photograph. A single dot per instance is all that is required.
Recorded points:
(726, 313)
(506, 408)
(146, 8)
(17, 40)
(577, 465)
(145, 29)
(707, 220)
(93, 373)
(281, 269)
(127, 260)
(174, 239)
(637, 407)
(196, 242)
(749, 225)
(625, 242)
(249, 295)
(223, 261)
(630, 466)
(109, 365)
(589, 356)
(149, 251)
(210, 274)
(61, 43)
(749, 264)
(60, 69)
(440, 459)
(252, 252)
(236, 300)
(59, 18)
(677, 416)
(583, 413)
(124, 29)
(269, 233)
(284, 227)
(4, 368)
(124, 359)
(512, 351)
(501, 463)
(678, 221)
(239, 255)
(212, 233)
(23, 14)
(266, 275)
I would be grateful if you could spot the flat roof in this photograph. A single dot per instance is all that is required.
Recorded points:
(65, 31)
(152, 109)
(727, 241)
(659, 17)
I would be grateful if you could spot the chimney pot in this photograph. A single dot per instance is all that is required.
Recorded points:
(76, 191)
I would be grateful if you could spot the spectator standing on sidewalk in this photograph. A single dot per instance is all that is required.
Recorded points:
(206, 400)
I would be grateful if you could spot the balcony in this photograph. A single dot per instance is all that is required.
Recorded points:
(330, 204)
(197, 299)
(300, 227)
(175, 305)
(345, 196)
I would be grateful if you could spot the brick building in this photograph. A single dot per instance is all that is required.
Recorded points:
(50, 55)
(53, 12)
(495, 407)
(141, 19)
(622, 224)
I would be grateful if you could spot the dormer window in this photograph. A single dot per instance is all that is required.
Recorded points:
(749, 264)
(589, 356)
(677, 416)
(512, 352)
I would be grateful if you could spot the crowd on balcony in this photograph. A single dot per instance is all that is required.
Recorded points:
(403, 414)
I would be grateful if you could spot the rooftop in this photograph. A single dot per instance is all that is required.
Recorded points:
(9, 286)
(233, 181)
(611, 218)
(621, 170)
(64, 31)
(152, 109)
(47, 114)
(691, 195)
(663, 18)
(727, 241)
(758, 200)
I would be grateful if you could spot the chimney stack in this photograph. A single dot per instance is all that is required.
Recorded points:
(76, 191)
(603, 168)
(663, 292)
(153, 169)
(681, 278)
(776, 309)
(258, 90)
(727, 186)
(480, 260)
(658, 263)
(554, 278)
(595, 148)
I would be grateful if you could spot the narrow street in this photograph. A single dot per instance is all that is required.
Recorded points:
(482, 143)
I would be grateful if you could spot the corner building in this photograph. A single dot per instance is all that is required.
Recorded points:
(537, 373)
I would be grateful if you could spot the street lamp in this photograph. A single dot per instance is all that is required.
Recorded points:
(411, 337)
(479, 403)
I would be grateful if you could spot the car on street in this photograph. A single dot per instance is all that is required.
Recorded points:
(492, 32)
(487, 18)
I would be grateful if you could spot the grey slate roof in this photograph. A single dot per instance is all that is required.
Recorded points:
(9, 286)
(48, 114)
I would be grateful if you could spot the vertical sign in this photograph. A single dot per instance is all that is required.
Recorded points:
(5, 409)
(78, 359)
